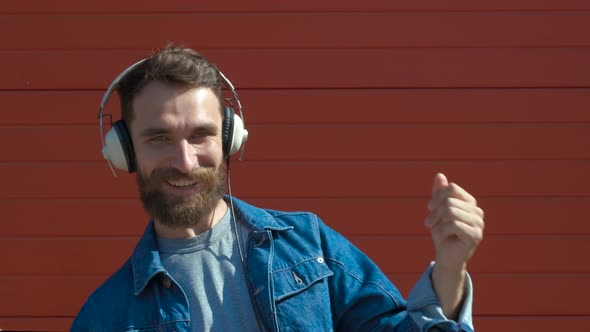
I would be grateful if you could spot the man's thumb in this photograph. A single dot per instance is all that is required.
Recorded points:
(440, 182)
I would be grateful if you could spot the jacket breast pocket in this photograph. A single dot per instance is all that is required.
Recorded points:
(302, 296)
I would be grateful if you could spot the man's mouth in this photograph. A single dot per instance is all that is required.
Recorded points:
(182, 183)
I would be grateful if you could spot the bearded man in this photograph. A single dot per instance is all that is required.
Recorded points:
(202, 265)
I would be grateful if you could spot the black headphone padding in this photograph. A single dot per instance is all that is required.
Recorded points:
(227, 130)
(126, 144)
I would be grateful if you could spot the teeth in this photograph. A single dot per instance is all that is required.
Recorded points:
(181, 183)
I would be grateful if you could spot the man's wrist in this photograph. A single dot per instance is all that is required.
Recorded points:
(449, 284)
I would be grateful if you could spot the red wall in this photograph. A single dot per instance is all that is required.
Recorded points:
(352, 108)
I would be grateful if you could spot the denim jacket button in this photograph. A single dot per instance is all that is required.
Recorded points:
(166, 282)
(320, 260)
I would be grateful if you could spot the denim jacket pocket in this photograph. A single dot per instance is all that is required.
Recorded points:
(298, 278)
(302, 296)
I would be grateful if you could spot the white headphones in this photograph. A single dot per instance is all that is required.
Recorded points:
(117, 147)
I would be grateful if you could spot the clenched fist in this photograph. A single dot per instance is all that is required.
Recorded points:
(456, 225)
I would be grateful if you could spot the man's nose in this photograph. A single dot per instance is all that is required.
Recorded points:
(185, 157)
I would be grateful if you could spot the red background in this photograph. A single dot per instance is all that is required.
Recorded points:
(352, 108)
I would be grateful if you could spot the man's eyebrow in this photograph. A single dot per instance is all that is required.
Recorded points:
(149, 132)
(203, 129)
(206, 129)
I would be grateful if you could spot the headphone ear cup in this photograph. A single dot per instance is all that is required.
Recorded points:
(118, 148)
(233, 133)
(227, 130)
(239, 135)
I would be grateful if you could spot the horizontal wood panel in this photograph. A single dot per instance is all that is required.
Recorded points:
(35, 323)
(504, 216)
(531, 295)
(72, 217)
(482, 323)
(125, 217)
(60, 6)
(65, 256)
(63, 296)
(297, 30)
(333, 106)
(543, 323)
(315, 180)
(312, 68)
(345, 142)
(496, 254)
(46, 296)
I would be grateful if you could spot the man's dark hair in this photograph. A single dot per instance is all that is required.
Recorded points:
(174, 65)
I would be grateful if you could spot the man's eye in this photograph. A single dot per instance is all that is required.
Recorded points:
(157, 139)
(198, 137)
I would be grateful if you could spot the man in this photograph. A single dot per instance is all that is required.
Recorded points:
(203, 265)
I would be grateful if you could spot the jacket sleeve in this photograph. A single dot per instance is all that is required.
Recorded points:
(364, 299)
(425, 309)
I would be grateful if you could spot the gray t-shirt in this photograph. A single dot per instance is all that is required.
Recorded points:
(209, 269)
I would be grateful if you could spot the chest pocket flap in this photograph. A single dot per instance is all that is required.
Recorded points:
(297, 278)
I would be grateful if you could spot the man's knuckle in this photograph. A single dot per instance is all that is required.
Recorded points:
(478, 236)
(479, 212)
(449, 201)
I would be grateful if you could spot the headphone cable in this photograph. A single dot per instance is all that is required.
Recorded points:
(233, 214)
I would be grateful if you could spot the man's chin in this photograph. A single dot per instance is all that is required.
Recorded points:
(181, 211)
(177, 201)
(180, 206)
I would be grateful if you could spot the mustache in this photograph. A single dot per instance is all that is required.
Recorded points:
(196, 174)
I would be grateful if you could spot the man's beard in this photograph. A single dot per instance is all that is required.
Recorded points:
(177, 211)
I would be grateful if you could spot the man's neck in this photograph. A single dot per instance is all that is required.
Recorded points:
(182, 232)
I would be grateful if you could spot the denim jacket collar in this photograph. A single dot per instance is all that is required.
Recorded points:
(145, 259)
(255, 218)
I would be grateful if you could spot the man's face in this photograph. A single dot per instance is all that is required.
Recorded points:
(176, 134)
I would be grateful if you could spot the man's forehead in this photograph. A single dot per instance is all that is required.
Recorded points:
(156, 91)
(157, 99)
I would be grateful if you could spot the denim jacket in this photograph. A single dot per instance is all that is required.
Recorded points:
(302, 276)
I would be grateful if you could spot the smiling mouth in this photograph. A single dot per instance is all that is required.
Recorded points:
(182, 183)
